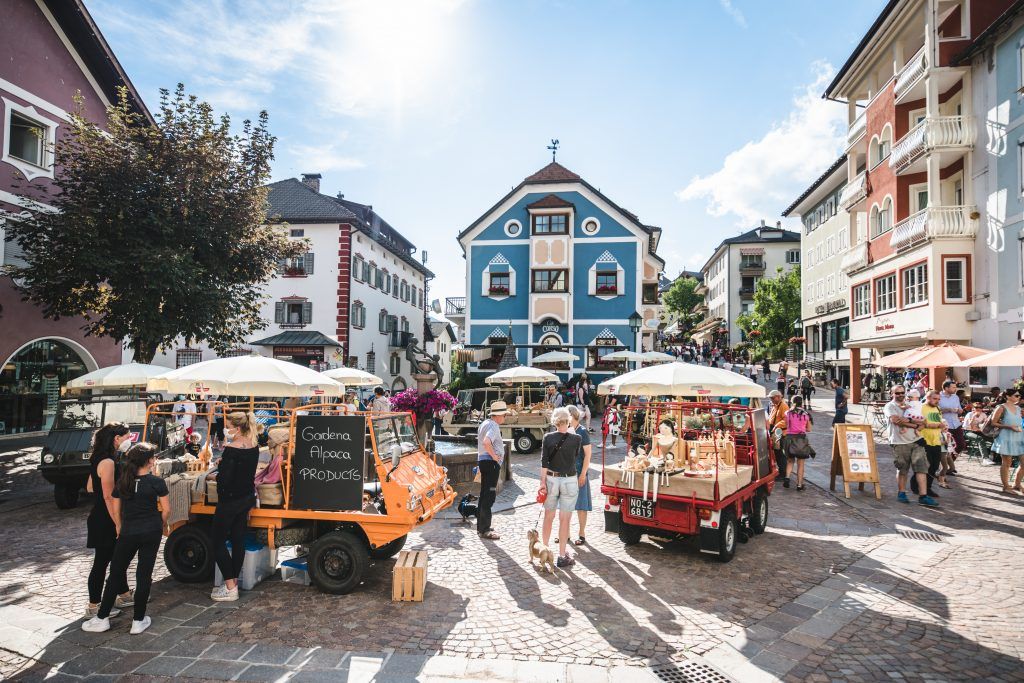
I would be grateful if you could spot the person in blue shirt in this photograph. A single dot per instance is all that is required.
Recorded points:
(842, 402)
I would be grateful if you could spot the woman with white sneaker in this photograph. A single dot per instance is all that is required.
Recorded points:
(140, 525)
(236, 495)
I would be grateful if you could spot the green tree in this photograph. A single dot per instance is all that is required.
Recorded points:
(681, 298)
(159, 231)
(776, 307)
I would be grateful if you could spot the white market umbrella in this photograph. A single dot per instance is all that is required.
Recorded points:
(246, 376)
(657, 357)
(118, 376)
(1012, 357)
(351, 377)
(521, 374)
(681, 379)
(555, 357)
(623, 355)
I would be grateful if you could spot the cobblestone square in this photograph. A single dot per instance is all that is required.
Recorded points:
(835, 590)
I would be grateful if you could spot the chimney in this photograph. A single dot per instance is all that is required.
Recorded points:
(778, 224)
(312, 181)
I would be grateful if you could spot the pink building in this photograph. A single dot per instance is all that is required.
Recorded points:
(50, 50)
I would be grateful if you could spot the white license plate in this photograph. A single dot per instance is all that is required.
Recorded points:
(638, 507)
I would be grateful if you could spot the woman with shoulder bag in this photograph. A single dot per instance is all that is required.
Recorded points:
(140, 526)
(236, 495)
(1009, 442)
(104, 469)
(797, 446)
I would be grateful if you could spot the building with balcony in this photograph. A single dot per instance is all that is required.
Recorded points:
(911, 145)
(824, 242)
(995, 60)
(731, 275)
(558, 265)
(355, 298)
(50, 52)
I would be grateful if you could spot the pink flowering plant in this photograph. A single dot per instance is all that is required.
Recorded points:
(422, 405)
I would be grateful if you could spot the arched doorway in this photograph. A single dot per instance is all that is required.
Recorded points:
(32, 379)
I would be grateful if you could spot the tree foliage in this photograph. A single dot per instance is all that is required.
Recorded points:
(776, 307)
(681, 298)
(159, 232)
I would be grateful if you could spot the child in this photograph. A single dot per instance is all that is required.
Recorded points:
(140, 528)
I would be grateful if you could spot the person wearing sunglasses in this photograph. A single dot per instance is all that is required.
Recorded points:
(908, 448)
(1009, 442)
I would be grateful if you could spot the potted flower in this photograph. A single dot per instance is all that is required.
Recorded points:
(423, 406)
(606, 289)
(754, 334)
(498, 289)
(797, 340)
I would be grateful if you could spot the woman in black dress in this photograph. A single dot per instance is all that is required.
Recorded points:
(236, 495)
(102, 534)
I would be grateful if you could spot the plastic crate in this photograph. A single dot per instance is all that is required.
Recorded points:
(295, 571)
(260, 562)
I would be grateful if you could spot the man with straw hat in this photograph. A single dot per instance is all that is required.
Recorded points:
(490, 453)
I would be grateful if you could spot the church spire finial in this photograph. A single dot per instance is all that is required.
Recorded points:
(554, 149)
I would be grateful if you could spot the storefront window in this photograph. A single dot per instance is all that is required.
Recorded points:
(30, 385)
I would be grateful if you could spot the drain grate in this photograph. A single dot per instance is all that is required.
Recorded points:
(690, 671)
(922, 536)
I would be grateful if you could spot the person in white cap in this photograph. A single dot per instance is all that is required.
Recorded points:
(490, 454)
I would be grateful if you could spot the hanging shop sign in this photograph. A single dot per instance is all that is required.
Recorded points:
(288, 351)
(830, 306)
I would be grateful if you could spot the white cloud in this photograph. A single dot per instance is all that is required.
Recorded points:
(324, 158)
(764, 176)
(733, 12)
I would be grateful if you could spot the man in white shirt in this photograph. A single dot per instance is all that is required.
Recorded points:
(908, 447)
(184, 412)
(380, 403)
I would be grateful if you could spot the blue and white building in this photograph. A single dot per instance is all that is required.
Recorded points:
(559, 266)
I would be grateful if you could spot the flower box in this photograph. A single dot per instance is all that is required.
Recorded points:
(498, 290)
(295, 272)
(607, 290)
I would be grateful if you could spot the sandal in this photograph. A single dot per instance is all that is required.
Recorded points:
(490, 535)
(945, 485)
(580, 541)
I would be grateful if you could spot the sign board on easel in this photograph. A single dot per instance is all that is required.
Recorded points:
(853, 458)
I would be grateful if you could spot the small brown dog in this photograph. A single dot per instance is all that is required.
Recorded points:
(539, 551)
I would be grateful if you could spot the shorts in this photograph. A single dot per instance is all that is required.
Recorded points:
(562, 493)
(907, 456)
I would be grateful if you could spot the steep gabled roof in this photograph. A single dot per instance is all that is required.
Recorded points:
(293, 201)
(78, 25)
(552, 201)
(816, 184)
(754, 236)
(552, 173)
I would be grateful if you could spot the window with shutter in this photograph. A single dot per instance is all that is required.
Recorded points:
(279, 312)
(366, 272)
(382, 321)
(309, 262)
(357, 268)
(307, 312)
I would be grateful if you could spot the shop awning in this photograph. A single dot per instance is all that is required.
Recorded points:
(707, 325)
(472, 355)
(297, 338)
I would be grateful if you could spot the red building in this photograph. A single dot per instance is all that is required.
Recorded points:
(50, 51)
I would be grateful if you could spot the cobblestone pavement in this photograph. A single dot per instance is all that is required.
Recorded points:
(835, 590)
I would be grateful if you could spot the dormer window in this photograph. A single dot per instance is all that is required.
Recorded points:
(551, 224)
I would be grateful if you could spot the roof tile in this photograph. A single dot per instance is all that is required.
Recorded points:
(552, 173)
(552, 201)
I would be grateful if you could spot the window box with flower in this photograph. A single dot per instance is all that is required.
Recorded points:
(498, 289)
(607, 289)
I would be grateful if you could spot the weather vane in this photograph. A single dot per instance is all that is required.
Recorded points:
(554, 149)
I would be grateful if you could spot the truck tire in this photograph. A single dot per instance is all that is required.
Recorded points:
(389, 550)
(524, 442)
(188, 553)
(66, 495)
(629, 534)
(337, 562)
(759, 513)
(728, 535)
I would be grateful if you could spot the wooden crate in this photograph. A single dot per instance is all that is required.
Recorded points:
(410, 576)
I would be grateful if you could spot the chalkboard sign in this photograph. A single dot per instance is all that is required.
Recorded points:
(327, 465)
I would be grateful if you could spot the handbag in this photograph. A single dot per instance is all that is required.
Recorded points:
(799, 445)
(991, 430)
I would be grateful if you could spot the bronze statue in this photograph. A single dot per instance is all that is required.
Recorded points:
(425, 362)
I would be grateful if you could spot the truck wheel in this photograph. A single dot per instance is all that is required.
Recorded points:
(337, 562)
(389, 550)
(66, 495)
(524, 442)
(188, 553)
(728, 532)
(759, 513)
(629, 534)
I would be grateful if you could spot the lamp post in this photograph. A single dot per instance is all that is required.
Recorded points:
(798, 328)
(635, 321)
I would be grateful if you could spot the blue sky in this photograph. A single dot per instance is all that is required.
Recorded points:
(701, 116)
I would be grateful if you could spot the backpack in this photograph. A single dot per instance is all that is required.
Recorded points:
(805, 383)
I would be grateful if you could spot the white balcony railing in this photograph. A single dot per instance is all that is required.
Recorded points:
(930, 134)
(857, 129)
(941, 222)
(912, 72)
(854, 192)
(855, 259)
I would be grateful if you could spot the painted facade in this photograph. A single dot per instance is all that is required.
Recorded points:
(824, 240)
(911, 143)
(561, 266)
(49, 52)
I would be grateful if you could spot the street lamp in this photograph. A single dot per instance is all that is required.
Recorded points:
(635, 321)
(798, 330)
